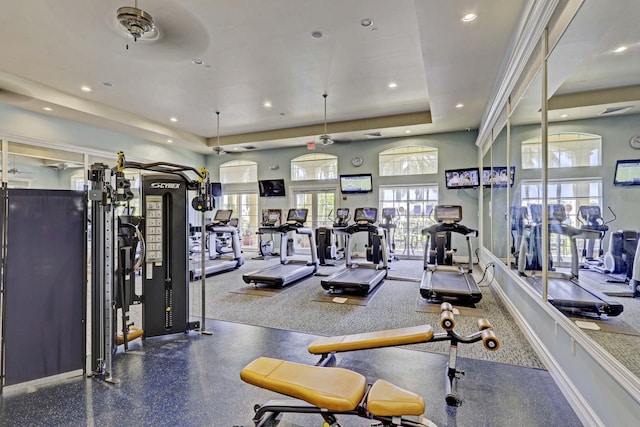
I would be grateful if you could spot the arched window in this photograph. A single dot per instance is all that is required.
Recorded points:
(408, 160)
(316, 166)
(238, 171)
(566, 150)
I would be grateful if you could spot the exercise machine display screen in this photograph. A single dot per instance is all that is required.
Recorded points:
(448, 213)
(342, 213)
(297, 215)
(388, 212)
(366, 215)
(519, 212)
(589, 212)
(222, 215)
(557, 213)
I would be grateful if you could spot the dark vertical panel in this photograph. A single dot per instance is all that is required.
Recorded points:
(44, 326)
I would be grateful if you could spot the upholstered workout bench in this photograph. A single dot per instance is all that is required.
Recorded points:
(329, 392)
(327, 347)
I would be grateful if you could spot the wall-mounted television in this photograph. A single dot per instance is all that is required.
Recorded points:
(497, 176)
(462, 178)
(271, 188)
(627, 172)
(216, 189)
(353, 184)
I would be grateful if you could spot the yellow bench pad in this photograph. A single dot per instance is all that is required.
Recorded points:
(386, 338)
(388, 400)
(335, 389)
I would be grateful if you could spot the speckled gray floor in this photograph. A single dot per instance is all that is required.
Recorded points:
(193, 380)
(397, 303)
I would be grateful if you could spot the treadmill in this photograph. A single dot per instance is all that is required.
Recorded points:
(216, 263)
(564, 290)
(361, 277)
(441, 280)
(288, 270)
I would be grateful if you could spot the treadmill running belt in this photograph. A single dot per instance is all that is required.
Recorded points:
(450, 285)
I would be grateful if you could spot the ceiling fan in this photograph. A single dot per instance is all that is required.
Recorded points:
(326, 139)
(218, 150)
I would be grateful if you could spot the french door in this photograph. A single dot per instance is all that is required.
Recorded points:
(321, 210)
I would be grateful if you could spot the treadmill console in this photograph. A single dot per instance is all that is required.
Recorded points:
(222, 216)
(448, 214)
(271, 217)
(557, 213)
(297, 216)
(366, 215)
(342, 217)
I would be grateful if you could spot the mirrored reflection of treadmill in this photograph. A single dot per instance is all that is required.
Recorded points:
(361, 277)
(441, 280)
(219, 261)
(288, 271)
(564, 291)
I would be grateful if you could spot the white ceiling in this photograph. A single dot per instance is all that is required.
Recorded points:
(255, 51)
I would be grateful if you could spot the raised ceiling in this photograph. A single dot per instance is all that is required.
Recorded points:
(252, 52)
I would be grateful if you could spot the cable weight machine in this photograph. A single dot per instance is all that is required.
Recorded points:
(162, 238)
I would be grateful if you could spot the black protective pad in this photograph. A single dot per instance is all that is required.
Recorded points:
(46, 266)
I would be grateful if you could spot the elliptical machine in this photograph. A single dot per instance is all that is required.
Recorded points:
(619, 259)
(329, 246)
(271, 219)
(390, 228)
(519, 223)
(590, 218)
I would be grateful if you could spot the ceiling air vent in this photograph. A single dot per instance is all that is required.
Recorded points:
(373, 135)
(613, 110)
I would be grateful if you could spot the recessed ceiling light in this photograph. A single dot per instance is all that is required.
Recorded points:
(469, 17)
(47, 109)
(620, 49)
(407, 131)
(317, 34)
(170, 141)
(267, 104)
(173, 119)
(366, 22)
(392, 85)
(197, 61)
(85, 89)
(459, 105)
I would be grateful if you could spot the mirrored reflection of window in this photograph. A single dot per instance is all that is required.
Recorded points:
(318, 166)
(566, 150)
(238, 171)
(408, 160)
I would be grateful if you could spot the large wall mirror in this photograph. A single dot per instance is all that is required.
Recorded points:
(593, 87)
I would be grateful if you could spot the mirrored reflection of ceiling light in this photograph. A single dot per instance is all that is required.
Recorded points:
(173, 119)
(407, 131)
(267, 104)
(170, 141)
(366, 22)
(86, 89)
(459, 105)
(469, 17)
(317, 34)
(392, 85)
(47, 109)
(564, 116)
(620, 49)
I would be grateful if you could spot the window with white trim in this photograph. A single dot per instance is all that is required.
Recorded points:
(566, 150)
(239, 172)
(316, 166)
(408, 160)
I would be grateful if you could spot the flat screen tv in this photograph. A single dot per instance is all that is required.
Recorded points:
(353, 184)
(271, 188)
(462, 178)
(497, 176)
(216, 189)
(627, 172)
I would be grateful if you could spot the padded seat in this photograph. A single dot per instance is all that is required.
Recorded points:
(386, 338)
(387, 400)
(334, 389)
